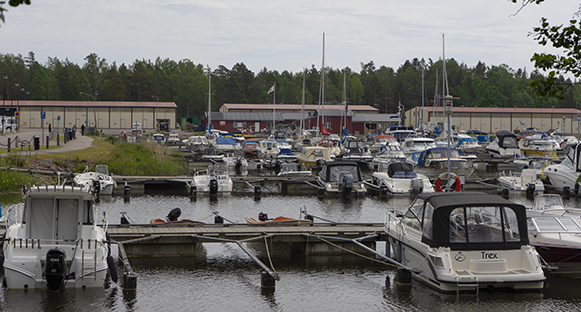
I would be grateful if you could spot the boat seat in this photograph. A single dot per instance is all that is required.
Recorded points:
(399, 175)
(411, 175)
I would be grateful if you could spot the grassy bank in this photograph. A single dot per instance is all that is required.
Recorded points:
(130, 159)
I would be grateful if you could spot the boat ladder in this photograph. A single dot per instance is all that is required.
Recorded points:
(466, 281)
(89, 268)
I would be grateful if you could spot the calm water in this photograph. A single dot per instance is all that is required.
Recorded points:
(223, 278)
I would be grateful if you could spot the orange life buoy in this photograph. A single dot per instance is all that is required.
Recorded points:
(456, 180)
(561, 145)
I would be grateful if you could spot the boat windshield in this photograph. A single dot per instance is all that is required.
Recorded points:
(554, 224)
(545, 202)
(335, 170)
(483, 225)
(509, 142)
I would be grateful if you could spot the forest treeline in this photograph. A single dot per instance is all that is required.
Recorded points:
(186, 84)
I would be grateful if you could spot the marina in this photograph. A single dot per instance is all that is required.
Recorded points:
(333, 281)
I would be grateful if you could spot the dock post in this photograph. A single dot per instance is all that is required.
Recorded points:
(403, 277)
(267, 281)
(126, 192)
(566, 191)
(257, 192)
(193, 192)
(505, 192)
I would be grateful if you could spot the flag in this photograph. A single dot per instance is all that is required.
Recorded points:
(271, 90)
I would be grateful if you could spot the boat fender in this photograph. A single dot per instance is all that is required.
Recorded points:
(174, 214)
(453, 176)
(112, 269)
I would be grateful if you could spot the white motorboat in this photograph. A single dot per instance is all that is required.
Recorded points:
(399, 178)
(214, 180)
(314, 156)
(434, 161)
(57, 244)
(526, 181)
(197, 143)
(356, 150)
(102, 182)
(380, 141)
(413, 146)
(564, 176)
(341, 178)
(505, 145)
(466, 241)
(293, 170)
(268, 149)
(538, 145)
(555, 232)
(389, 153)
(468, 144)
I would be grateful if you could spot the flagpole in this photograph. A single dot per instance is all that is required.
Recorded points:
(273, 107)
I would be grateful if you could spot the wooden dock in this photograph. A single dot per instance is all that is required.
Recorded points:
(184, 240)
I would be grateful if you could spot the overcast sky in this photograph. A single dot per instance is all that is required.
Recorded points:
(280, 34)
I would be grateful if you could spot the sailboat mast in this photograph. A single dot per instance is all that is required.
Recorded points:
(273, 108)
(323, 82)
(344, 120)
(303, 104)
(209, 98)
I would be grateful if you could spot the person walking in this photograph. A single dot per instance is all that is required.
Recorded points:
(82, 129)
(49, 128)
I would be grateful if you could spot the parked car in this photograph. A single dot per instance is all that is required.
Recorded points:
(8, 124)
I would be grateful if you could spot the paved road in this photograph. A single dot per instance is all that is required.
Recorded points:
(81, 142)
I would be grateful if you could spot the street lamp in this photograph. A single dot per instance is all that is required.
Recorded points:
(155, 113)
(5, 90)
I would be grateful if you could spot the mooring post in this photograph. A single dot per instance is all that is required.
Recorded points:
(58, 138)
(403, 277)
(505, 192)
(193, 192)
(47, 139)
(8, 145)
(257, 192)
(267, 281)
(126, 192)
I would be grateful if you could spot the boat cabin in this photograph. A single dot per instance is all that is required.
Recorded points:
(468, 221)
(333, 170)
(57, 216)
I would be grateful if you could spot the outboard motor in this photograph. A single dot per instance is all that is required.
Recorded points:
(417, 186)
(213, 187)
(345, 183)
(531, 190)
(174, 214)
(55, 269)
(262, 216)
(96, 187)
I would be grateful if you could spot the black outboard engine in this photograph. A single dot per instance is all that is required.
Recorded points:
(262, 216)
(213, 187)
(55, 269)
(345, 183)
(96, 187)
(174, 214)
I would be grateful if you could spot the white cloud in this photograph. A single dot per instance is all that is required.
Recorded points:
(280, 35)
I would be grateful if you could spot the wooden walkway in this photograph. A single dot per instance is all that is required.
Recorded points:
(206, 233)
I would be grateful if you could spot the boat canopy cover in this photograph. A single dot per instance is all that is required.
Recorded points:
(462, 140)
(470, 221)
(399, 166)
(436, 153)
(507, 140)
(331, 170)
(225, 140)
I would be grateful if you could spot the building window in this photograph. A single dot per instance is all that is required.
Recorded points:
(328, 125)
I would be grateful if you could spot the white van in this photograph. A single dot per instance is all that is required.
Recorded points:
(8, 124)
